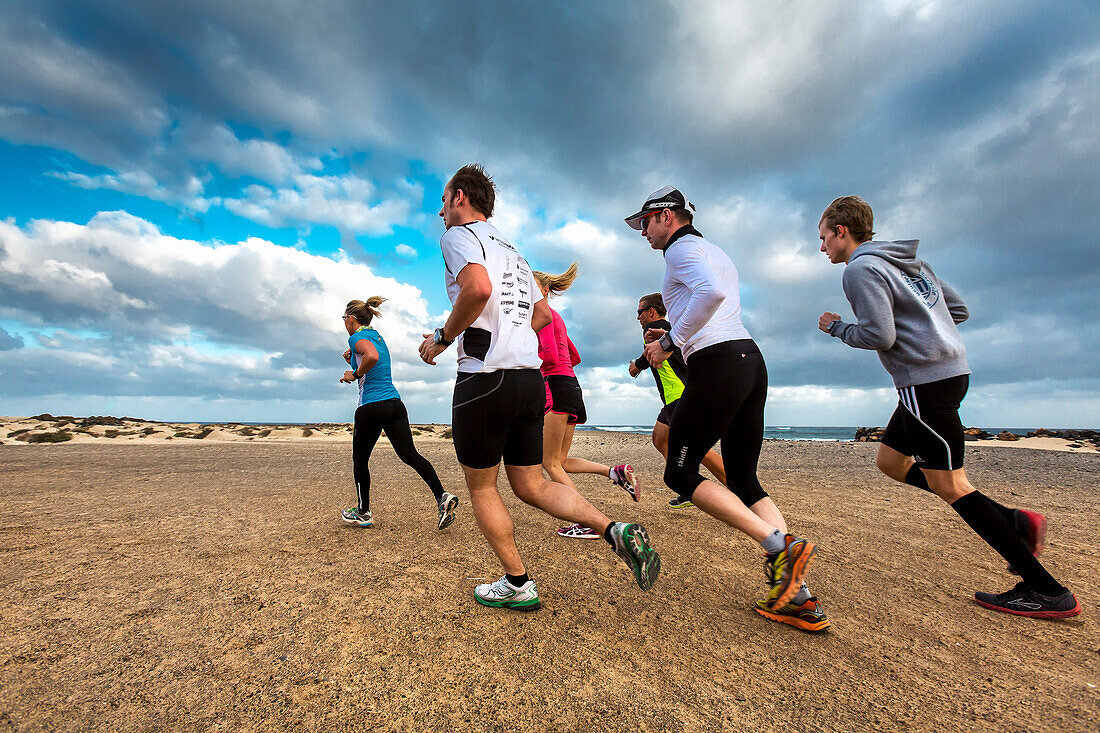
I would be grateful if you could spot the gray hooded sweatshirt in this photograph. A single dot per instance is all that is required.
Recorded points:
(904, 312)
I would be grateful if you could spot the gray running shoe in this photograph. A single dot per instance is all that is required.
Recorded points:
(632, 545)
(357, 517)
(447, 510)
(680, 502)
(502, 594)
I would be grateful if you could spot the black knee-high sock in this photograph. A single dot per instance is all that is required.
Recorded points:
(983, 517)
(916, 478)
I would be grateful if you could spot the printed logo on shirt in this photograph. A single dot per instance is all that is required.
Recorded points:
(924, 287)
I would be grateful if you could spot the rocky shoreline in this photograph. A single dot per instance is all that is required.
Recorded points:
(1076, 438)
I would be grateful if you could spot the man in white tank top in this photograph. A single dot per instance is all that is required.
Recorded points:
(497, 410)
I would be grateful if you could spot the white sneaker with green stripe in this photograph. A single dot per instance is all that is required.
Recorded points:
(503, 594)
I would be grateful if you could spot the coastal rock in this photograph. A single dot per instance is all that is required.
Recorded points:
(868, 435)
(976, 434)
(1005, 435)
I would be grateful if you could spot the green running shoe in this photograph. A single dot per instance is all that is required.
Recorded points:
(503, 594)
(632, 545)
(681, 502)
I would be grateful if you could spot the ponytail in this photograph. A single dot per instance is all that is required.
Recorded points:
(365, 312)
(556, 284)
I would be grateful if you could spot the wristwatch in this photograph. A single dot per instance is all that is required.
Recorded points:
(439, 338)
(666, 343)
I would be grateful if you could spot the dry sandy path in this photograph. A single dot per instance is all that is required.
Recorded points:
(212, 586)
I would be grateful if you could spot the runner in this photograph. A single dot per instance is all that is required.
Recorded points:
(723, 399)
(499, 393)
(565, 406)
(380, 408)
(909, 316)
(670, 385)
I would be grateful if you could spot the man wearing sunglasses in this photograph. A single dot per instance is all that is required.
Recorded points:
(723, 399)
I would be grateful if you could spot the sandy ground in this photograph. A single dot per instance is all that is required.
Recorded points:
(191, 584)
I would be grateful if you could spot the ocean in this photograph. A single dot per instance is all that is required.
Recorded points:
(779, 432)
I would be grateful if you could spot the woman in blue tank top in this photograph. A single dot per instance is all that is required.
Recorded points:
(380, 408)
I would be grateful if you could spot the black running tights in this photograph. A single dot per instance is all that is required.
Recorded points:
(370, 420)
(723, 400)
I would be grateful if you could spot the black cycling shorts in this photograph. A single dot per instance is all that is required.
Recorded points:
(498, 415)
(566, 398)
(665, 415)
(926, 423)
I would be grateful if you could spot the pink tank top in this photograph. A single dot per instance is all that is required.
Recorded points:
(557, 352)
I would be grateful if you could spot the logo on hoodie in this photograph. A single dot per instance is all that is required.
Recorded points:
(924, 287)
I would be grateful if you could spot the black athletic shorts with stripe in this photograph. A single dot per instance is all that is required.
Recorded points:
(498, 415)
(926, 423)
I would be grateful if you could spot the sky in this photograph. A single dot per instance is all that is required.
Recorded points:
(192, 191)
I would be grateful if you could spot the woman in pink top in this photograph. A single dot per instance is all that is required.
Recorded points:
(565, 405)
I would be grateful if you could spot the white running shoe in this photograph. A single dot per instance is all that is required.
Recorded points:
(578, 532)
(503, 594)
(447, 510)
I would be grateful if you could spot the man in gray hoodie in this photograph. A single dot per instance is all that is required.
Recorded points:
(910, 316)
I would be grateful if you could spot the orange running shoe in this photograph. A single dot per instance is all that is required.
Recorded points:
(810, 616)
(787, 569)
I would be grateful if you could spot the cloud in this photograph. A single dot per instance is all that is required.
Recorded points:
(266, 160)
(340, 201)
(140, 183)
(144, 313)
(10, 341)
(405, 251)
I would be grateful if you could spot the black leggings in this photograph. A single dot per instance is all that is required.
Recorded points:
(370, 420)
(723, 399)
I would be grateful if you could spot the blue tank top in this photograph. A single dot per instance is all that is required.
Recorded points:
(377, 384)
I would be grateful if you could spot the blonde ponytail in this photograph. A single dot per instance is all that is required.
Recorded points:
(365, 312)
(556, 284)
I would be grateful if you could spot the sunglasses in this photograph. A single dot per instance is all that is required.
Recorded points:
(643, 310)
(645, 219)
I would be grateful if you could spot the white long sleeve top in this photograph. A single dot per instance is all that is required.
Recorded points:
(701, 293)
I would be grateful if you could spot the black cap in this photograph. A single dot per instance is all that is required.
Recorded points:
(666, 198)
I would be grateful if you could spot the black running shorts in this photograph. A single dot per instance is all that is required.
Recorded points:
(926, 423)
(566, 398)
(665, 415)
(498, 415)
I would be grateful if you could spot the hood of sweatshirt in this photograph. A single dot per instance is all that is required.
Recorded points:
(902, 254)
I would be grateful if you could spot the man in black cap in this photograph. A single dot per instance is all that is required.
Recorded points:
(723, 400)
